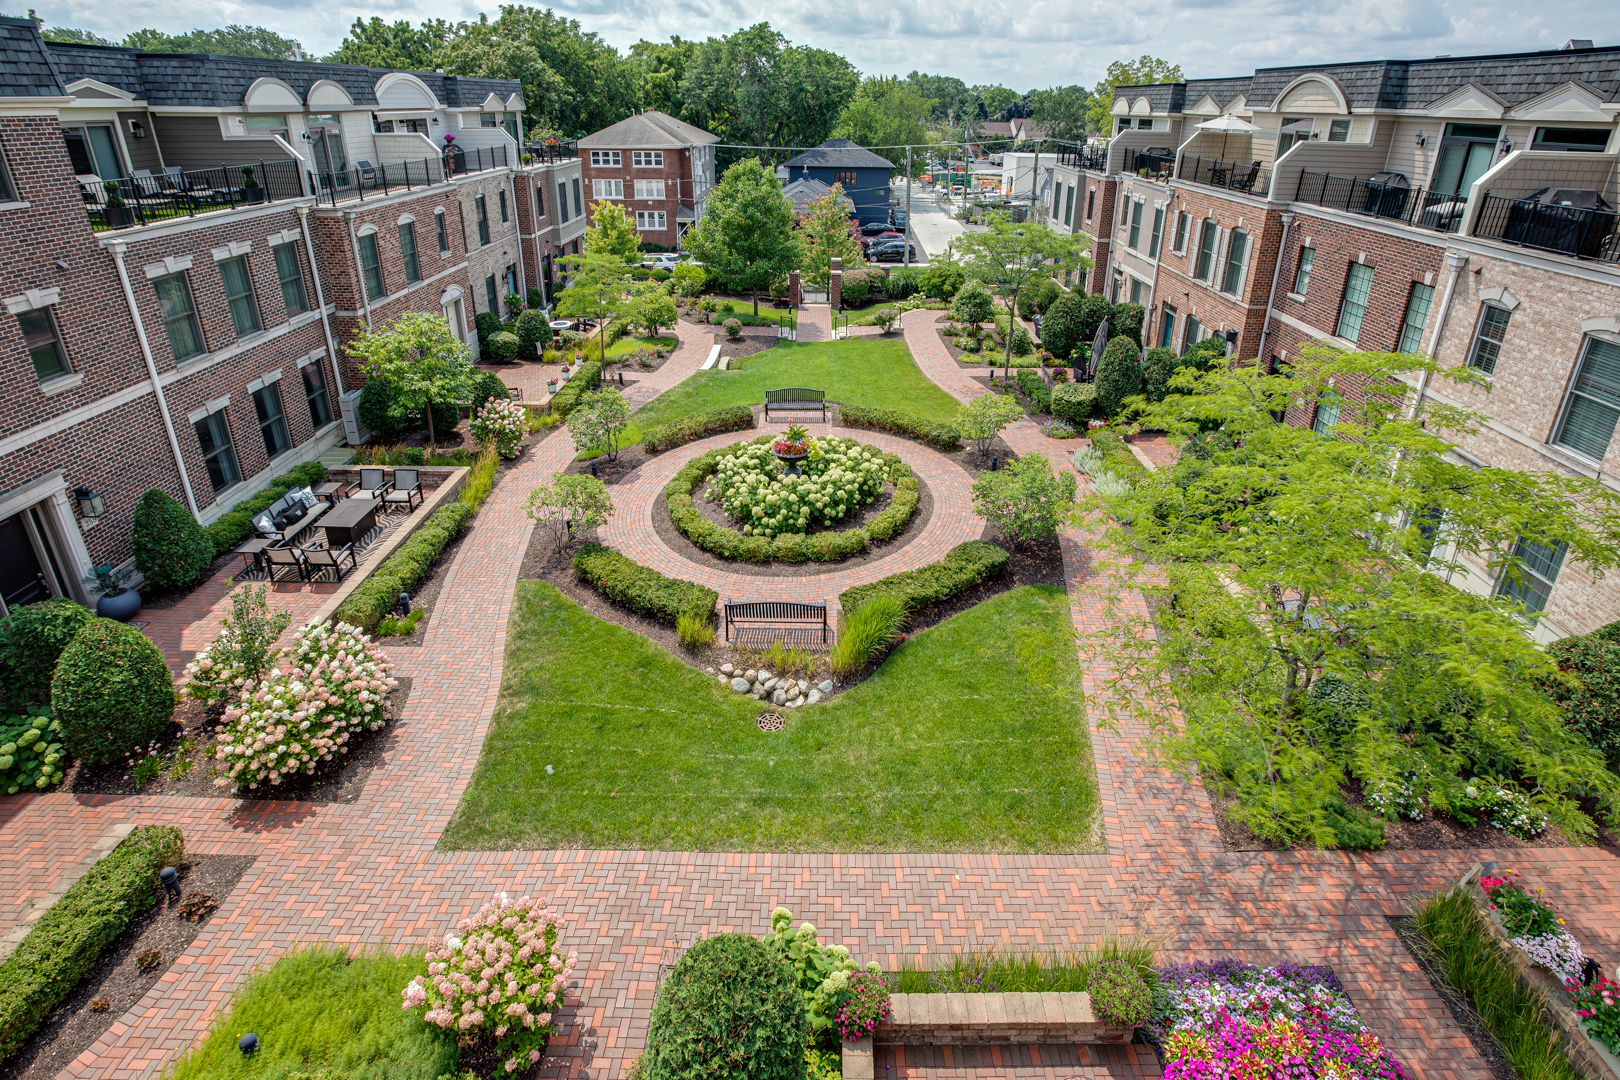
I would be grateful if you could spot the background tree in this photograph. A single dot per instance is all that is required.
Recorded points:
(887, 114)
(1062, 112)
(1139, 72)
(1026, 500)
(663, 69)
(73, 34)
(746, 237)
(421, 360)
(375, 43)
(996, 100)
(946, 92)
(754, 87)
(1009, 257)
(612, 232)
(973, 305)
(828, 233)
(983, 418)
(598, 286)
(233, 40)
(1295, 558)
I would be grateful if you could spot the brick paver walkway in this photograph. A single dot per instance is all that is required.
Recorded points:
(368, 872)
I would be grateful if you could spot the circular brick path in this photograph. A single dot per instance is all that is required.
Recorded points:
(953, 522)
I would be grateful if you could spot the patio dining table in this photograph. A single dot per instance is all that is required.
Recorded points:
(349, 521)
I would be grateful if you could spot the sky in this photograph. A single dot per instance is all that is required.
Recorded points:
(1023, 44)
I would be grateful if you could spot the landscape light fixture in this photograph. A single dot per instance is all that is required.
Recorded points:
(91, 505)
(171, 881)
(593, 466)
(248, 1044)
(1422, 138)
(404, 603)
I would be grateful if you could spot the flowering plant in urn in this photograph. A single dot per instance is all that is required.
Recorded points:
(287, 724)
(795, 442)
(501, 976)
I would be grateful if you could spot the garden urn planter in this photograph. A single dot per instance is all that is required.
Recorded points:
(793, 464)
(121, 605)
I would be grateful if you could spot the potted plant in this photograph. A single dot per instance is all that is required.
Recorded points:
(551, 385)
(116, 601)
(792, 449)
(251, 191)
(118, 214)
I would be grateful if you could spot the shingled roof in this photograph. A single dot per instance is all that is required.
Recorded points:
(838, 154)
(25, 67)
(648, 129)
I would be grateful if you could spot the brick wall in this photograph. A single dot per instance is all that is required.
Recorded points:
(676, 172)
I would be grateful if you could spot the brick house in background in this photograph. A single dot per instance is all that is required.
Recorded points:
(659, 167)
(190, 242)
(1459, 207)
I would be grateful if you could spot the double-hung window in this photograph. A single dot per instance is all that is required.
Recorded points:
(291, 279)
(1091, 202)
(1488, 338)
(607, 189)
(1207, 240)
(1068, 207)
(1183, 225)
(272, 424)
(647, 159)
(1136, 224)
(606, 159)
(1593, 405)
(651, 220)
(320, 406)
(1158, 232)
(1532, 573)
(649, 189)
(1237, 254)
(504, 217)
(562, 202)
(1357, 291)
(8, 190)
(214, 439)
(1302, 270)
(1327, 414)
(443, 234)
(1194, 333)
(43, 342)
(239, 295)
(481, 212)
(1415, 319)
(407, 250)
(179, 315)
(1136, 290)
(371, 266)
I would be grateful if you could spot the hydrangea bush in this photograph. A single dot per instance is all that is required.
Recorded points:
(501, 423)
(500, 976)
(823, 972)
(243, 652)
(1223, 1018)
(839, 476)
(289, 724)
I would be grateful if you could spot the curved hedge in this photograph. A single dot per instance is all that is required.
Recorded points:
(587, 378)
(642, 589)
(730, 1010)
(827, 546)
(963, 566)
(112, 692)
(939, 436)
(697, 426)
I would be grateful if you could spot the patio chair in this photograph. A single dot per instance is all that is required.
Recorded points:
(317, 559)
(407, 489)
(147, 186)
(285, 558)
(371, 485)
(367, 171)
(1247, 182)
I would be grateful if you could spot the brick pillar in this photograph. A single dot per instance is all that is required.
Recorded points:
(795, 295)
(835, 284)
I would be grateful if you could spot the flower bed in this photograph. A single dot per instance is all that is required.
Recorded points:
(1224, 1018)
(1533, 926)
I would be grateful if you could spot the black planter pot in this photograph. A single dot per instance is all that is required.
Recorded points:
(119, 217)
(121, 605)
(793, 464)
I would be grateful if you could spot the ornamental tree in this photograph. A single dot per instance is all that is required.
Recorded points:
(1011, 256)
(1026, 500)
(599, 286)
(1298, 563)
(982, 419)
(973, 305)
(746, 237)
(598, 420)
(653, 308)
(828, 233)
(613, 232)
(576, 503)
(421, 360)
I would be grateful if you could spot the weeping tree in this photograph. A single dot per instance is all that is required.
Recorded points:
(1308, 629)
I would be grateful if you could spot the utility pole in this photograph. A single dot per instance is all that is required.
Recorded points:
(906, 235)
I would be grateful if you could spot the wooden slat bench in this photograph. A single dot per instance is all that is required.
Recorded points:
(776, 620)
(796, 399)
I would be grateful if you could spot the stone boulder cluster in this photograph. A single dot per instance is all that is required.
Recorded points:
(782, 690)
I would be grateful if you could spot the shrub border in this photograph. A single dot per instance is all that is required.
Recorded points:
(625, 581)
(965, 565)
(907, 425)
(728, 543)
(697, 426)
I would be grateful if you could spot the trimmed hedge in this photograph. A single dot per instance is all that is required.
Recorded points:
(111, 692)
(68, 939)
(965, 565)
(1074, 402)
(171, 549)
(1117, 457)
(939, 436)
(1035, 388)
(1119, 376)
(587, 378)
(730, 1010)
(697, 426)
(642, 589)
(1591, 700)
(36, 635)
(404, 568)
(827, 546)
(235, 525)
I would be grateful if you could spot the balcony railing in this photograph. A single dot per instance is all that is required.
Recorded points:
(363, 178)
(1569, 230)
(1157, 166)
(1087, 158)
(1251, 177)
(1435, 210)
(142, 200)
(551, 155)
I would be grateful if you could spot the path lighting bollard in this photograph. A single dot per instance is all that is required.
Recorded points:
(248, 1044)
(993, 463)
(404, 603)
(171, 881)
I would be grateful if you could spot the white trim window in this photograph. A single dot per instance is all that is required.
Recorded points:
(647, 159)
(607, 189)
(1531, 575)
(1488, 338)
(1237, 261)
(43, 340)
(651, 221)
(1357, 295)
(649, 189)
(1592, 406)
(608, 159)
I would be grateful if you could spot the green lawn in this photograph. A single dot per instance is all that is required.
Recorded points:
(970, 737)
(630, 343)
(879, 374)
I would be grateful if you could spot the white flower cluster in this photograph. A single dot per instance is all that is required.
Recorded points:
(1508, 809)
(501, 423)
(1558, 952)
(290, 724)
(840, 475)
(1401, 795)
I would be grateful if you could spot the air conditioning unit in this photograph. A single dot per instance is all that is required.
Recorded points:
(353, 430)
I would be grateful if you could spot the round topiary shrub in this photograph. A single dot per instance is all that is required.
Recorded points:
(1158, 366)
(504, 345)
(532, 328)
(377, 410)
(486, 388)
(111, 691)
(171, 548)
(729, 1011)
(37, 634)
(1119, 376)
(1119, 994)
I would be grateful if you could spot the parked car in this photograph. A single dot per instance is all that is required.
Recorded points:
(890, 251)
(897, 218)
(872, 228)
(662, 260)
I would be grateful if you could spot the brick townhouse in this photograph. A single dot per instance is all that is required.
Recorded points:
(189, 242)
(1462, 207)
(659, 167)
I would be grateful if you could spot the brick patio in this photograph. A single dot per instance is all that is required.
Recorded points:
(368, 871)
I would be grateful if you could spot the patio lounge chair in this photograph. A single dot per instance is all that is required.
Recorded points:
(407, 489)
(371, 485)
(367, 172)
(285, 558)
(317, 559)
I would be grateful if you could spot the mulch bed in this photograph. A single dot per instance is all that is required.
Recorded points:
(744, 346)
(74, 1027)
(1462, 1010)
(190, 741)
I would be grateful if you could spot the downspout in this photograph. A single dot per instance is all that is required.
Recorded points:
(359, 271)
(539, 258)
(320, 298)
(1455, 262)
(152, 372)
(1276, 274)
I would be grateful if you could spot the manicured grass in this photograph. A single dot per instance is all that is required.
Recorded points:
(880, 374)
(1001, 971)
(630, 343)
(970, 737)
(321, 1009)
(868, 316)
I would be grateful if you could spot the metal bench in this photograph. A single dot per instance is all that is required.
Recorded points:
(796, 399)
(776, 620)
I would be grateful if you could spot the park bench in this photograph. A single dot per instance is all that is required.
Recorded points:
(776, 620)
(795, 399)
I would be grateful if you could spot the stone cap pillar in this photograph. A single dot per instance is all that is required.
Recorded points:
(795, 292)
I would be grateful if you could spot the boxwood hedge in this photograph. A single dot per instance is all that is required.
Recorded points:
(587, 378)
(964, 565)
(697, 426)
(939, 436)
(642, 589)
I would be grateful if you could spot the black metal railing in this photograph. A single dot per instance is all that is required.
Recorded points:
(1083, 158)
(1151, 165)
(550, 154)
(361, 178)
(1569, 230)
(1435, 210)
(1251, 177)
(458, 160)
(142, 200)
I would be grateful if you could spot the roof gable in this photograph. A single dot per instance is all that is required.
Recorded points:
(648, 129)
(838, 154)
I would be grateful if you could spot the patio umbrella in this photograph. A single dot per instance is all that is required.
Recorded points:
(1227, 124)
(1098, 344)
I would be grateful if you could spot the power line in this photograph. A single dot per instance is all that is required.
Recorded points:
(904, 146)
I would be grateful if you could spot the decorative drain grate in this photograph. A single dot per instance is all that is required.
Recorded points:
(771, 721)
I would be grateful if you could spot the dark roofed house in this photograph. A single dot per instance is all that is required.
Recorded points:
(865, 175)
